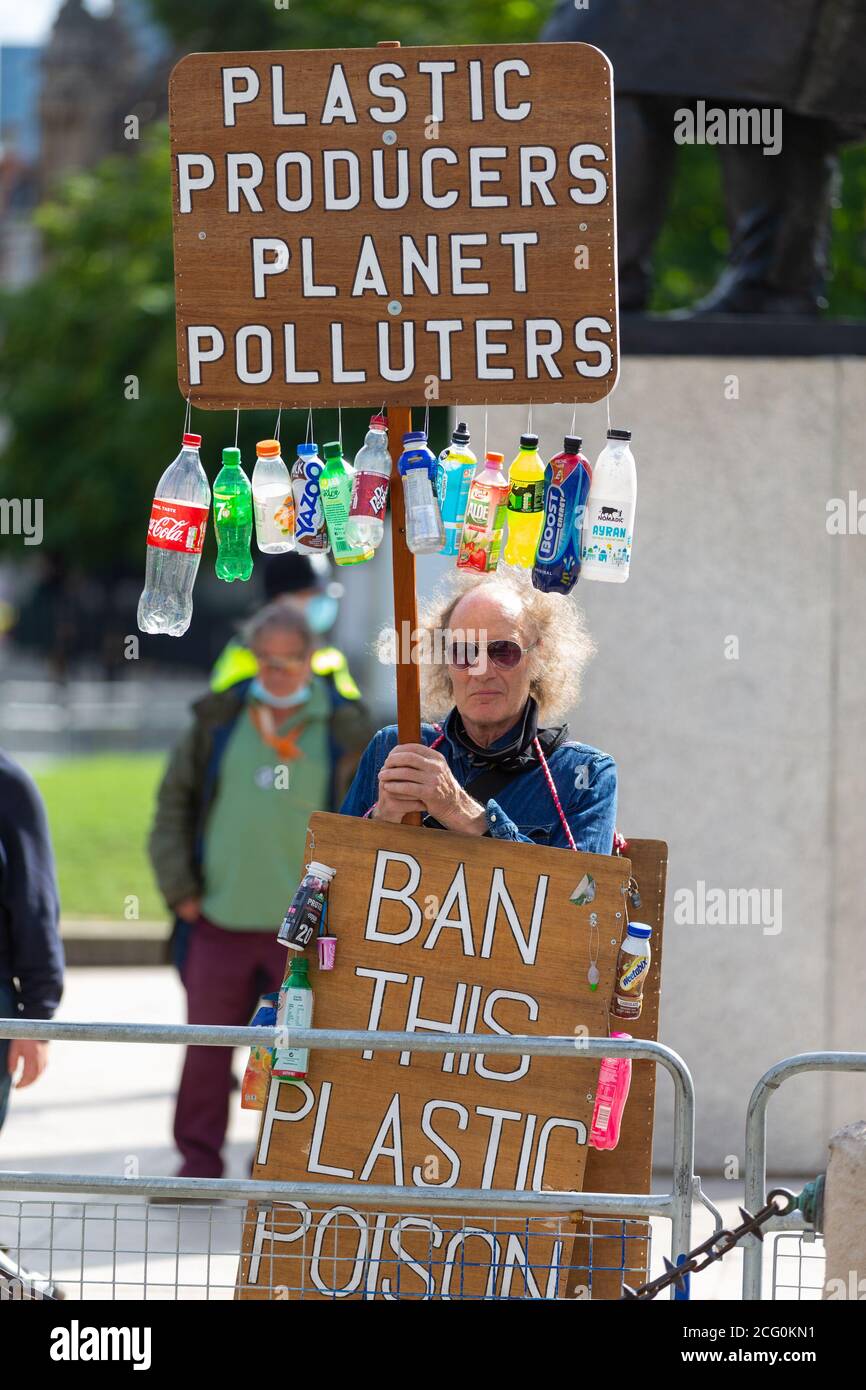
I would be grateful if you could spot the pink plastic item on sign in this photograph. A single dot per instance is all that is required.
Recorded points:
(614, 1081)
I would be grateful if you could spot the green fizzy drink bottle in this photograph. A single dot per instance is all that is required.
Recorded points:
(335, 490)
(233, 518)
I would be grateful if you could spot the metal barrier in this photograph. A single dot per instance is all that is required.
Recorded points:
(621, 1218)
(755, 1172)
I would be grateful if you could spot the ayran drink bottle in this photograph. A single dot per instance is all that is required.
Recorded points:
(566, 487)
(485, 517)
(233, 518)
(525, 502)
(425, 532)
(335, 486)
(273, 502)
(311, 533)
(366, 524)
(608, 523)
(294, 1010)
(455, 469)
(175, 536)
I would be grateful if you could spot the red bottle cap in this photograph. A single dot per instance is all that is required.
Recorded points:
(192, 440)
(378, 422)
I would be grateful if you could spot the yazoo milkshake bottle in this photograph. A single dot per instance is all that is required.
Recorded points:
(605, 551)
(567, 480)
(455, 469)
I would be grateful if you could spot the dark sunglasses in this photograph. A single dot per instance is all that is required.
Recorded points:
(502, 652)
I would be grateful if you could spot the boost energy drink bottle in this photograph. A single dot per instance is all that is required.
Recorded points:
(311, 533)
(567, 480)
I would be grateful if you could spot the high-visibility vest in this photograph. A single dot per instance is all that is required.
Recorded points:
(236, 663)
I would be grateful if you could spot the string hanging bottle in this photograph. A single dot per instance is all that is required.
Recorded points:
(425, 532)
(175, 536)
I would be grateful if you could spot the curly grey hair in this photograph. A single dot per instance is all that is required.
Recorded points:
(552, 620)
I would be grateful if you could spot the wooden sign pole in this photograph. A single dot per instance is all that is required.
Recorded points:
(403, 570)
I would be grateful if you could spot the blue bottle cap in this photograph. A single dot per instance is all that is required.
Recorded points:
(414, 437)
(640, 930)
(308, 450)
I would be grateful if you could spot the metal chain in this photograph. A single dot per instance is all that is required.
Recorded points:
(713, 1249)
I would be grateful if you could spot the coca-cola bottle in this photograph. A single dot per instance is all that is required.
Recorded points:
(175, 538)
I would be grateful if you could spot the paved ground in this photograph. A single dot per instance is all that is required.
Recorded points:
(108, 1110)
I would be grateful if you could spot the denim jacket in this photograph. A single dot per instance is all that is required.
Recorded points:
(524, 810)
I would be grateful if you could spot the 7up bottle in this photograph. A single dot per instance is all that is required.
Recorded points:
(233, 518)
(484, 523)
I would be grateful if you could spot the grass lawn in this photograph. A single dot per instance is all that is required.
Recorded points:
(99, 810)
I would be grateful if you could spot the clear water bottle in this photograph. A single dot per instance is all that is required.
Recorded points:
(175, 537)
(608, 522)
(273, 502)
(425, 530)
(366, 525)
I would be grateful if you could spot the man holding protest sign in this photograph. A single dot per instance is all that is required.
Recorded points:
(511, 654)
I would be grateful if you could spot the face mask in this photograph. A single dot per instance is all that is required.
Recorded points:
(321, 612)
(297, 697)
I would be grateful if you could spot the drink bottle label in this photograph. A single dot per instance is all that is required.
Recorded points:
(233, 507)
(369, 495)
(310, 529)
(526, 497)
(177, 526)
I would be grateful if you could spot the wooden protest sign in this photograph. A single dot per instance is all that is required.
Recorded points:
(413, 225)
(449, 933)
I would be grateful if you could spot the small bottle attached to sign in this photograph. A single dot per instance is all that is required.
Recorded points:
(425, 532)
(295, 1010)
(525, 501)
(632, 966)
(567, 480)
(608, 523)
(366, 525)
(611, 1094)
(273, 501)
(335, 485)
(455, 469)
(257, 1077)
(481, 540)
(175, 537)
(311, 533)
(308, 907)
(233, 519)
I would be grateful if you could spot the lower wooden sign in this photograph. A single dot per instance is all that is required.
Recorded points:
(444, 933)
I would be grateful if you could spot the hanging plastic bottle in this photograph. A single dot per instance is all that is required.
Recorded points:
(608, 524)
(481, 540)
(611, 1094)
(366, 524)
(525, 503)
(294, 1010)
(273, 502)
(567, 480)
(455, 469)
(311, 533)
(425, 532)
(233, 519)
(175, 535)
(335, 487)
